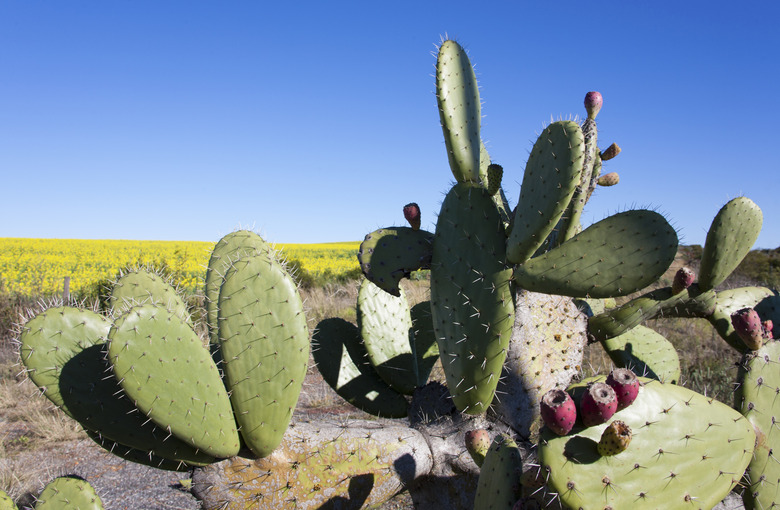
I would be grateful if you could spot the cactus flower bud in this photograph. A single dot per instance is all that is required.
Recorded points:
(611, 151)
(767, 325)
(478, 443)
(412, 215)
(609, 179)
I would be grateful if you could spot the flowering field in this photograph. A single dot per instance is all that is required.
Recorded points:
(38, 266)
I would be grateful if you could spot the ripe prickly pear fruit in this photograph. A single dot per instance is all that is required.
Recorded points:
(412, 215)
(611, 151)
(748, 327)
(478, 443)
(609, 179)
(682, 280)
(558, 411)
(614, 439)
(598, 404)
(593, 102)
(626, 386)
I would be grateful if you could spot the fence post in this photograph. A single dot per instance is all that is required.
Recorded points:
(66, 290)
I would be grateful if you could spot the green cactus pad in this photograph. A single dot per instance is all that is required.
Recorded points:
(164, 369)
(264, 341)
(426, 349)
(342, 361)
(385, 324)
(360, 464)
(459, 111)
(68, 493)
(730, 237)
(138, 287)
(390, 254)
(471, 299)
(63, 349)
(614, 257)
(729, 301)
(646, 353)
(230, 248)
(552, 174)
(686, 449)
(6, 503)
(499, 479)
(758, 385)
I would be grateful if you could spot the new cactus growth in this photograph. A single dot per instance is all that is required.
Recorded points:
(683, 279)
(412, 215)
(477, 444)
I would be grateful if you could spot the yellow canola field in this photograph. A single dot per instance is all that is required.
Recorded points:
(38, 266)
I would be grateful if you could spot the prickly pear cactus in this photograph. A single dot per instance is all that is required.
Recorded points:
(499, 479)
(141, 286)
(685, 449)
(68, 493)
(758, 380)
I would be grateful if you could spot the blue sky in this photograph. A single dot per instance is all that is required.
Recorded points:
(317, 121)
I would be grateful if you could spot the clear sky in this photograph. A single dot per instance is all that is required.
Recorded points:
(317, 121)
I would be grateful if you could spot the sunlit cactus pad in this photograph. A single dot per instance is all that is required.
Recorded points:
(139, 287)
(687, 451)
(68, 493)
(757, 398)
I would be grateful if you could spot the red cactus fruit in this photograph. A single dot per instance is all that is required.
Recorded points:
(593, 102)
(598, 404)
(478, 444)
(682, 280)
(626, 386)
(412, 215)
(614, 439)
(558, 411)
(747, 324)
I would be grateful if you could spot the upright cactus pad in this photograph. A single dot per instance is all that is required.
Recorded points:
(472, 304)
(68, 493)
(686, 449)
(499, 479)
(163, 367)
(459, 111)
(756, 398)
(730, 237)
(141, 286)
(264, 341)
(552, 174)
(385, 324)
(233, 246)
(614, 257)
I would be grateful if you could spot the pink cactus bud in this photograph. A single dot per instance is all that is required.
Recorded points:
(626, 386)
(593, 102)
(611, 151)
(747, 325)
(412, 215)
(609, 179)
(682, 280)
(478, 444)
(598, 404)
(558, 411)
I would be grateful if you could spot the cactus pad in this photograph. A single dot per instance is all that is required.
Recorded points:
(758, 380)
(499, 479)
(140, 286)
(164, 369)
(645, 352)
(389, 254)
(551, 177)
(614, 257)
(730, 237)
(68, 493)
(264, 341)
(685, 449)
